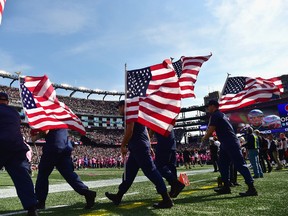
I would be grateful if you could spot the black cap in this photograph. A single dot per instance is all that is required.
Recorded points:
(213, 102)
(3, 96)
(121, 103)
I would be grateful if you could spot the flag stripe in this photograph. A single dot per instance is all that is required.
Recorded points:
(153, 97)
(42, 108)
(152, 124)
(157, 106)
(240, 92)
(2, 5)
(187, 68)
(154, 111)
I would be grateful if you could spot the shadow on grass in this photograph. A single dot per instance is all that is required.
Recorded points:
(140, 206)
(5, 185)
(206, 198)
(207, 195)
(135, 207)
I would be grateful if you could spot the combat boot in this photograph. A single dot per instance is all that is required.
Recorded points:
(250, 192)
(165, 203)
(223, 190)
(32, 212)
(90, 199)
(115, 198)
(176, 188)
(40, 205)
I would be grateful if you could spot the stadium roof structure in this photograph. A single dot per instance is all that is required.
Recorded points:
(14, 78)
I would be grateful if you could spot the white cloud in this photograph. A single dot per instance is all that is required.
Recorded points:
(252, 36)
(9, 64)
(66, 18)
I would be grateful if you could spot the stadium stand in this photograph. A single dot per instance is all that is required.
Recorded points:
(100, 147)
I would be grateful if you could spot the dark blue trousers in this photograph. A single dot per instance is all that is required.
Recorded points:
(233, 154)
(17, 167)
(63, 163)
(165, 162)
(141, 159)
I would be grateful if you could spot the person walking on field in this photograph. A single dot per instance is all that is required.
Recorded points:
(13, 155)
(252, 145)
(165, 161)
(136, 136)
(274, 151)
(214, 147)
(263, 152)
(57, 153)
(230, 150)
(186, 158)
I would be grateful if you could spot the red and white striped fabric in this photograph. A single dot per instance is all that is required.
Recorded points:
(240, 92)
(187, 69)
(2, 5)
(153, 97)
(43, 109)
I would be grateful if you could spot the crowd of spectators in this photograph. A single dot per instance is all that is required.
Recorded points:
(96, 157)
(14, 94)
(189, 156)
(106, 137)
(103, 148)
(77, 105)
(85, 156)
(95, 107)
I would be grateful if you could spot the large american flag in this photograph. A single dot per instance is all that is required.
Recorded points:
(43, 109)
(2, 4)
(187, 69)
(153, 97)
(244, 91)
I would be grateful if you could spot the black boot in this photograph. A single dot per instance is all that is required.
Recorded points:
(165, 203)
(270, 168)
(176, 188)
(223, 190)
(250, 192)
(32, 212)
(40, 205)
(115, 198)
(90, 199)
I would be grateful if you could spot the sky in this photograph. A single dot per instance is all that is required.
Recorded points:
(87, 43)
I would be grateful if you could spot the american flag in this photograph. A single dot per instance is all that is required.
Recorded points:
(244, 91)
(2, 4)
(153, 97)
(187, 69)
(42, 108)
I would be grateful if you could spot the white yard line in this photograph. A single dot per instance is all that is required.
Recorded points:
(11, 192)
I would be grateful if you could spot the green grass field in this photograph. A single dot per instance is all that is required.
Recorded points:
(196, 199)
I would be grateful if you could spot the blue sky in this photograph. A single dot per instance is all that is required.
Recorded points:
(86, 43)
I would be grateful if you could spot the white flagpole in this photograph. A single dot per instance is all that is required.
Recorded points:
(125, 105)
(225, 84)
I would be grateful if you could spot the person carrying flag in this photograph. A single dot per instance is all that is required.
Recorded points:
(165, 161)
(13, 155)
(57, 152)
(230, 150)
(136, 136)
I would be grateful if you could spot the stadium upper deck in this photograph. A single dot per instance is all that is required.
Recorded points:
(101, 113)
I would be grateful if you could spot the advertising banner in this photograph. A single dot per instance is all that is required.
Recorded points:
(267, 119)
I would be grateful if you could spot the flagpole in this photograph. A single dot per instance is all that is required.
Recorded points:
(34, 144)
(125, 105)
(225, 84)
